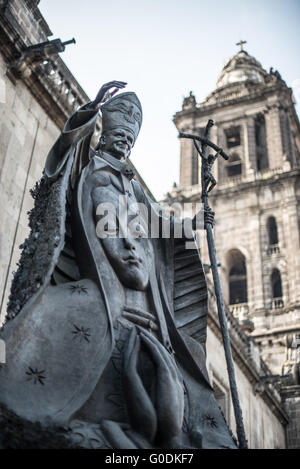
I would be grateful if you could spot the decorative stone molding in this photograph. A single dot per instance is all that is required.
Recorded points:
(50, 81)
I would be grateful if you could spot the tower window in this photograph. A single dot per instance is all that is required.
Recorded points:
(234, 165)
(261, 143)
(233, 137)
(258, 132)
(285, 134)
(237, 277)
(272, 231)
(276, 284)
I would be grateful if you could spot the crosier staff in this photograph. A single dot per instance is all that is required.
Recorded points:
(207, 183)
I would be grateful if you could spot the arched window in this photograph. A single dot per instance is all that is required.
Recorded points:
(237, 277)
(272, 231)
(276, 284)
(234, 165)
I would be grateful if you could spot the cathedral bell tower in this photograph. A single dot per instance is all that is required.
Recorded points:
(256, 201)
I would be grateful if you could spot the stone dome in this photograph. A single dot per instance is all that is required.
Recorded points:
(240, 68)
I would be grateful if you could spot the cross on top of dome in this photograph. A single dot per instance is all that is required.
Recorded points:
(241, 44)
(240, 68)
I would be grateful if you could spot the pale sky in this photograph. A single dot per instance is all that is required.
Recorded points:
(165, 48)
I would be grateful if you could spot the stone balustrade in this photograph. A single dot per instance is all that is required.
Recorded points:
(64, 89)
(277, 303)
(273, 249)
(241, 312)
(250, 177)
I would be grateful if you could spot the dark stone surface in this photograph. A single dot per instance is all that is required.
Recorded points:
(18, 433)
(94, 358)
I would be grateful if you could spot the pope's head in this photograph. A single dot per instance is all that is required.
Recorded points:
(121, 123)
(117, 142)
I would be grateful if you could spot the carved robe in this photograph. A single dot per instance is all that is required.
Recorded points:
(66, 324)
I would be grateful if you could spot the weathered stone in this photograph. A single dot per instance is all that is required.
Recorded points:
(244, 203)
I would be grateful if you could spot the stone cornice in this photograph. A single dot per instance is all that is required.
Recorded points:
(289, 392)
(276, 332)
(192, 194)
(59, 94)
(257, 183)
(256, 94)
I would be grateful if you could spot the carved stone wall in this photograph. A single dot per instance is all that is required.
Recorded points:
(35, 101)
(264, 429)
(291, 397)
(27, 134)
(244, 202)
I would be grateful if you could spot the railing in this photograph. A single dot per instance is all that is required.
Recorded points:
(268, 172)
(273, 249)
(233, 179)
(64, 88)
(265, 371)
(277, 303)
(236, 331)
(240, 310)
(250, 177)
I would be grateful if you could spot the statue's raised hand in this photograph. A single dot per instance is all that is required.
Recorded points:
(104, 93)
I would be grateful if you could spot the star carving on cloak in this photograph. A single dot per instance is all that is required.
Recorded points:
(35, 375)
(210, 420)
(80, 289)
(83, 333)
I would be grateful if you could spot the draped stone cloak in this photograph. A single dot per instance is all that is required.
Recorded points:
(59, 333)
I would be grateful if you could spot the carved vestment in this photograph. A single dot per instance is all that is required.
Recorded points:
(67, 329)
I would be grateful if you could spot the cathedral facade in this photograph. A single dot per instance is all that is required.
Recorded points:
(256, 203)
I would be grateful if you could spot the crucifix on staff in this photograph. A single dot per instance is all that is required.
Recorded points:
(208, 183)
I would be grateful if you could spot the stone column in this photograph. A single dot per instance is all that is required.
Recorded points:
(186, 162)
(274, 140)
(249, 146)
(286, 136)
(221, 141)
(214, 139)
(255, 288)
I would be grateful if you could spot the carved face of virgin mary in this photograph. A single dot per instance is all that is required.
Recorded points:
(130, 259)
(129, 252)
